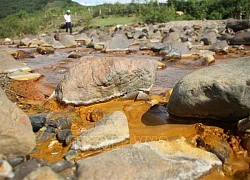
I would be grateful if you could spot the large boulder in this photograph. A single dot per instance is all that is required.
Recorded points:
(219, 92)
(16, 135)
(118, 43)
(237, 24)
(172, 159)
(98, 79)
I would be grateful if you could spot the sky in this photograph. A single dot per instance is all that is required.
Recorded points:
(95, 2)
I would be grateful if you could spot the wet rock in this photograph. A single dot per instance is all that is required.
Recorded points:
(45, 50)
(6, 170)
(75, 55)
(37, 121)
(10, 64)
(15, 161)
(71, 154)
(44, 136)
(62, 165)
(60, 123)
(109, 77)
(111, 129)
(156, 115)
(214, 92)
(64, 137)
(95, 115)
(172, 159)
(215, 145)
(43, 173)
(16, 135)
(24, 54)
(25, 168)
(64, 123)
(243, 125)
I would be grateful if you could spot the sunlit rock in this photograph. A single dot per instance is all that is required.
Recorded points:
(10, 64)
(219, 92)
(97, 79)
(171, 159)
(110, 130)
(16, 135)
(23, 76)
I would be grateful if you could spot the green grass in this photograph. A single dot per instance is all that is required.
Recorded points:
(111, 21)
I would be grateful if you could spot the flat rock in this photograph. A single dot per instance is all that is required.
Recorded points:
(23, 76)
(172, 159)
(108, 131)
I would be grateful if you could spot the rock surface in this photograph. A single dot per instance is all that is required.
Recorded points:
(9, 64)
(219, 92)
(98, 79)
(110, 130)
(16, 135)
(173, 159)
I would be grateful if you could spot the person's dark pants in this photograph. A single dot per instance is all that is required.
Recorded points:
(68, 26)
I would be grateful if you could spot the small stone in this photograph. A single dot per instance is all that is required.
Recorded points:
(37, 121)
(71, 154)
(62, 165)
(6, 169)
(64, 137)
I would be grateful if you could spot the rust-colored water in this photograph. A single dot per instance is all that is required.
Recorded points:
(53, 68)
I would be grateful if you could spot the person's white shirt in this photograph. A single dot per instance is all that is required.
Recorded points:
(67, 17)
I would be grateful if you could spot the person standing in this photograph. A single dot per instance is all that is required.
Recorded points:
(67, 18)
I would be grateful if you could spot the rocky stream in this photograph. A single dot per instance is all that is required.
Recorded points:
(159, 101)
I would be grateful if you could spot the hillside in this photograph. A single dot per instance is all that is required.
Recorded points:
(9, 7)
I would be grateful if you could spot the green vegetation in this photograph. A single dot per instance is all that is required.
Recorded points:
(33, 17)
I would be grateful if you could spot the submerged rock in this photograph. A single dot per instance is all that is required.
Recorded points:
(172, 159)
(111, 129)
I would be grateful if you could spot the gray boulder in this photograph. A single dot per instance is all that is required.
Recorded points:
(219, 92)
(241, 38)
(221, 46)
(209, 38)
(173, 159)
(98, 79)
(68, 40)
(16, 135)
(118, 43)
(237, 24)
